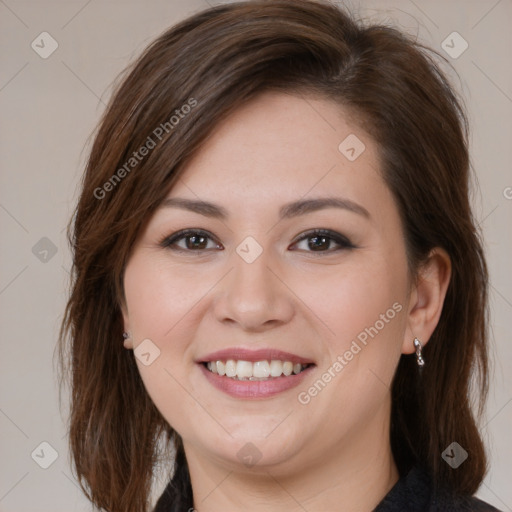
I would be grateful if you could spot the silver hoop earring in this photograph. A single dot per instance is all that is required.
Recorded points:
(419, 357)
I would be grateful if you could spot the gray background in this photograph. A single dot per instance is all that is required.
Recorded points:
(50, 107)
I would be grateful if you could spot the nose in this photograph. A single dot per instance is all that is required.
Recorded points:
(254, 296)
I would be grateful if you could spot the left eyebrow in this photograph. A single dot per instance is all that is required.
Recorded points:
(287, 211)
(310, 205)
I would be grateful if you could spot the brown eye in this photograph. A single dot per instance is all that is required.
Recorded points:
(193, 240)
(319, 242)
(322, 240)
(196, 241)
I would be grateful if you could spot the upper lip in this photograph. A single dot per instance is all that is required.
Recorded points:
(244, 354)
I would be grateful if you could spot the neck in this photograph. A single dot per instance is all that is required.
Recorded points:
(354, 477)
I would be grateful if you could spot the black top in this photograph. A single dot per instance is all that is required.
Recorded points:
(412, 493)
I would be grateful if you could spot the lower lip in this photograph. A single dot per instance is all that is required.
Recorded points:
(254, 389)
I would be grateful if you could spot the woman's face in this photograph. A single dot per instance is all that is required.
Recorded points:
(254, 287)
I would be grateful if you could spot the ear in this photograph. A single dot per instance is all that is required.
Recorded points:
(427, 298)
(128, 342)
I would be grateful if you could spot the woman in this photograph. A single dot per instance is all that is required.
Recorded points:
(275, 220)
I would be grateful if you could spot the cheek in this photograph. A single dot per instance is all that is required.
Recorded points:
(159, 297)
(364, 307)
(356, 299)
(160, 307)
(363, 304)
(163, 304)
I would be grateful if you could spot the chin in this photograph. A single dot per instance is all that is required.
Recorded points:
(253, 447)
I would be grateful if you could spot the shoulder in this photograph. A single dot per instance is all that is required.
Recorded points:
(414, 492)
(447, 501)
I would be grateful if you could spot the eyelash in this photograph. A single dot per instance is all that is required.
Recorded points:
(169, 241)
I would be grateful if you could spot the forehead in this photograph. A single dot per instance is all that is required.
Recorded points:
(282, 142)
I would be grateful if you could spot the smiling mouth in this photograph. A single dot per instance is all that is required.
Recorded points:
(255, 371)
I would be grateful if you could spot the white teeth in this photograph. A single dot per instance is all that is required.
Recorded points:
(221, 368)
(287, 368)
(276, 368)
(244, 369)
(230, 368)
(259, 370)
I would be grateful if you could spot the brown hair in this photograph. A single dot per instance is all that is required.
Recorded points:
(220, 58)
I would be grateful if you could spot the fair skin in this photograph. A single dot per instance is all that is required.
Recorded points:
(312, 300)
